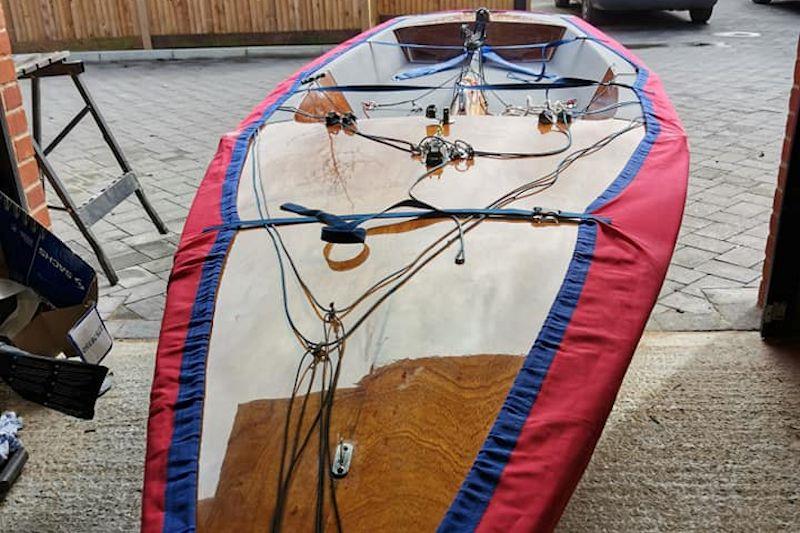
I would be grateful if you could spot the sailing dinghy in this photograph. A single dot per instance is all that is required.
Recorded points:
(411, 283)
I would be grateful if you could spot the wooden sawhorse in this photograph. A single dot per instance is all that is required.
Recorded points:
(99, 205)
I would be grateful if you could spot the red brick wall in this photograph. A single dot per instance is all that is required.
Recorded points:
(18, 130)
(791, 131)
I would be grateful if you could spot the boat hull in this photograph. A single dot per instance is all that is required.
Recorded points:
(475, 399)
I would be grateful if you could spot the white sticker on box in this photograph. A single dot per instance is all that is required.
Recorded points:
(90, 337)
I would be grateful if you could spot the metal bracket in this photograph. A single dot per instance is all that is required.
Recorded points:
(342, 459)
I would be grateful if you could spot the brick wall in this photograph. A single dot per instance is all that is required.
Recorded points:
(791, 131)
(18, 129)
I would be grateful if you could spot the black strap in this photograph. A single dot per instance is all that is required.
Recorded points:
(560, 83)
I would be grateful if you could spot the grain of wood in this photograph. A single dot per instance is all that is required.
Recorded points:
(59, 24)
(257, 16)
(105, 10)
(28, 15)
(417, 426)
(143, 21)
(127, 17)
(99, 17)
(15, 29)
(156, 20)
(183, 16)
(48, 19)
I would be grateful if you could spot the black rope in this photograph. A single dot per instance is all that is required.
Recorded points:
(334, 335)
(560, 83)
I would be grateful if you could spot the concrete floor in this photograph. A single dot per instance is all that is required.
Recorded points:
(84, 476)
(704, 437)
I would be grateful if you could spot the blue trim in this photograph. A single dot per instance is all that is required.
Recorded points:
(488, 54)
(652, 126)
(428, 70)
(653, 129)
(476, 491)
(180, 493)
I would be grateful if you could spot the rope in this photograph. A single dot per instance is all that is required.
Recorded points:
(320, 360)
(558, 83)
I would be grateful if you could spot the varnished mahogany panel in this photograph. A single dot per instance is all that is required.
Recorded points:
(417, 426)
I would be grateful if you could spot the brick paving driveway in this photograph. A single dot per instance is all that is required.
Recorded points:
(731, 90)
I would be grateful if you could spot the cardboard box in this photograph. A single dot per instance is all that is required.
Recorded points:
(65, 284)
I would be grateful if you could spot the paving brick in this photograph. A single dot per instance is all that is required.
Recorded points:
(148, 307)
(716, 199)
(683, 275)
(136, 329)
(708, 282)
(726, 217)
(766, 201)
(742, 256)
(706, 243)
(687, 303)
(122, 312)
(137, 226)
(760, 230)
(673, 320)
(669, 287)
(157, 249)
(693, 222)
(729, 271)
(746, 209)
(737, 306)
(701, 209)
(748, 240)
(158, 265)
(734, 295)
(127, 259)
(719, 230)
(108, 304)
(133, 276)
(152, 109)
(146, 237)
(690, 257)
(146, 290)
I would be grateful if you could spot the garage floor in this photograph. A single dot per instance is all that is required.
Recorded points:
(705, 436)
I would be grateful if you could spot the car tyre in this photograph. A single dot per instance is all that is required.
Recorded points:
(562, 3)
(589, 13)
(700, 16)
